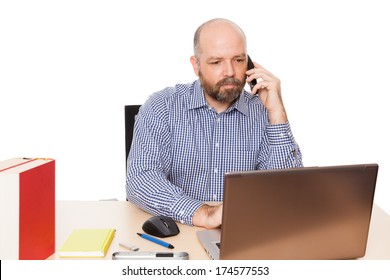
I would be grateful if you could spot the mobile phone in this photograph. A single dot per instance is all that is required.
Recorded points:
(251, 66)
(150, 256)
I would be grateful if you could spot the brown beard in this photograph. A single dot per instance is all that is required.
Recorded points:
(227, 95)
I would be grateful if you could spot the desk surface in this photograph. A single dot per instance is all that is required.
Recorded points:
(127, 219)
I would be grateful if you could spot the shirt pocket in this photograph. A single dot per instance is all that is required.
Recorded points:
(241, 160)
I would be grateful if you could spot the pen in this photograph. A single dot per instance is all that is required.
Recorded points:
(155, 240)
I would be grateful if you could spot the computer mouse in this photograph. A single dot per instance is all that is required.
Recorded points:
(160, 226)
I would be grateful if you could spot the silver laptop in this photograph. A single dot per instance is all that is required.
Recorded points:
(301, 213)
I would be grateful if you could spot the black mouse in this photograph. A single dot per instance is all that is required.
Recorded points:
(161, 226)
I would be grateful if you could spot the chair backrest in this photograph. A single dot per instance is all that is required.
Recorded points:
(130, 112)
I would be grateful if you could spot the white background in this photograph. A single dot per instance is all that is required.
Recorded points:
(67, 68)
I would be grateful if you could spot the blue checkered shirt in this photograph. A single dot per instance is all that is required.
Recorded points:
(182, 147)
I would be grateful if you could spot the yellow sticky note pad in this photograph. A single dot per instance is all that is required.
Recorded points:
(87, 243)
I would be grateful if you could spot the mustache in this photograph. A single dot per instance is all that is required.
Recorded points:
(230, 81)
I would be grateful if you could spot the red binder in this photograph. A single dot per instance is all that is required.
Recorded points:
(27, 209)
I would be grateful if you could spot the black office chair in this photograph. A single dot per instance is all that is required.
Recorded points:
(130, 112)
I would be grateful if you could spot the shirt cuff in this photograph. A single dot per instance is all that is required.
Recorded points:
(184, 209)
(280, 134)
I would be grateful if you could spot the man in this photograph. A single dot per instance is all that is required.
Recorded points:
(186, 137)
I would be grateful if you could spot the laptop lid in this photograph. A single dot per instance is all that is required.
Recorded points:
(300, 213)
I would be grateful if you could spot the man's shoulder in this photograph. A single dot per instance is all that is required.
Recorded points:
(173, 92)
(168, 96)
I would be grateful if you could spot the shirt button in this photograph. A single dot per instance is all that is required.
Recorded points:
(217, 145)
(215, 197)
(181, 212)
(215, 170)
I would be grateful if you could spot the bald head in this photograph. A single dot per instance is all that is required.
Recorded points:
(216, 31)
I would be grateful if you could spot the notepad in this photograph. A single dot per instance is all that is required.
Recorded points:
(87, 243)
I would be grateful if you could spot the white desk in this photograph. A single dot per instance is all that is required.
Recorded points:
(127, 219)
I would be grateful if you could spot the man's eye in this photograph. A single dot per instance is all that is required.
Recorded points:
(214, 62)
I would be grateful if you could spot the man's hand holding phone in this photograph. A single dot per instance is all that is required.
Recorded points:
(269, 90)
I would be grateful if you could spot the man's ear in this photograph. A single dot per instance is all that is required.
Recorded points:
(194, 62)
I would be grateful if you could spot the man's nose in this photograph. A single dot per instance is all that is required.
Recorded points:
(229, 69)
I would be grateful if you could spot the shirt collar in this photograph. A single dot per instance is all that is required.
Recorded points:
(198, 100)
(242, 103)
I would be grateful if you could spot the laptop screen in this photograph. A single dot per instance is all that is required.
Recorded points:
(303, 213)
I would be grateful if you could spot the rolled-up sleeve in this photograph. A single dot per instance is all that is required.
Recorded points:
(279, 149)
(148, 168)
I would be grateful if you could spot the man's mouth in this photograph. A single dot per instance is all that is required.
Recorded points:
(229, 85)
